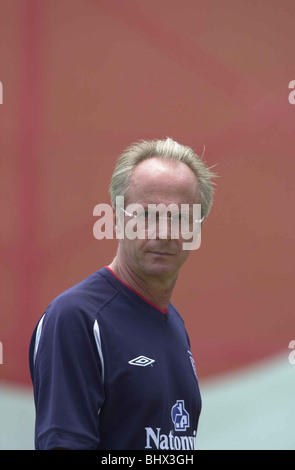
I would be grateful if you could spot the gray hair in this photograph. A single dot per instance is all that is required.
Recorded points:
(168, 149)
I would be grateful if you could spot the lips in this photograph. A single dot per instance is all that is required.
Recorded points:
(160, 253)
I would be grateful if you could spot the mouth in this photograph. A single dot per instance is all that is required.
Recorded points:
(161, 253)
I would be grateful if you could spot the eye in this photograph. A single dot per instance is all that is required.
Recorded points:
(177, 217)
(185, 218)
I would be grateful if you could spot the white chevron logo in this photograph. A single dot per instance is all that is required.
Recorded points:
(142, 361)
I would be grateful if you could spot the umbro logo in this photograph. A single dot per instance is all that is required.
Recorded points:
(142, 361)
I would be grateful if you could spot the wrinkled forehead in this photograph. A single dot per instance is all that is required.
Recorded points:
(157, 180)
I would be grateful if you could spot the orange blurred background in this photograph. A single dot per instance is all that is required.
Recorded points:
(82, 79)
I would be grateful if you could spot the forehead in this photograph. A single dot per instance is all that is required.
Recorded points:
(158, 180)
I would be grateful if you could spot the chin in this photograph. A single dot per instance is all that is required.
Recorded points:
(160, 268)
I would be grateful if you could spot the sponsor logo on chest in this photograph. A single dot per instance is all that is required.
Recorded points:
(155, 439)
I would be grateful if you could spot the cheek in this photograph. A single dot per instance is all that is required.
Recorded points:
(184, 255)
(134, 248)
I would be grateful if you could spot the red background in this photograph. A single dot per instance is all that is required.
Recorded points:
(82, 79)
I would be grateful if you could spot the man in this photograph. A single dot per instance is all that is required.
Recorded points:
(110, 358)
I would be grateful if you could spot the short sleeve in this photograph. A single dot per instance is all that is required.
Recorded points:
(66, 371)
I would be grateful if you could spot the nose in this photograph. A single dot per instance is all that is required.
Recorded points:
(163, 228)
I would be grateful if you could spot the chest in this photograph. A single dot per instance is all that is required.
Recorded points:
(149, 360)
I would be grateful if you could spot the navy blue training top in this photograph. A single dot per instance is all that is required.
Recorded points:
(110, 370)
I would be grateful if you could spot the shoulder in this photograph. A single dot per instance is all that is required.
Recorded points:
(175, 313)
(178, 322)
(81, 302)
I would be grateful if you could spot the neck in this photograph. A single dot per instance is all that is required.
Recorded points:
(156, 289)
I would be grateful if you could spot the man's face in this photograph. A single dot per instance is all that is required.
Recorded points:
(157, 181)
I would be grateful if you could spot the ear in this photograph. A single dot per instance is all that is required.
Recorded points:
(114, 216)
(118, 223)
(114, 219)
